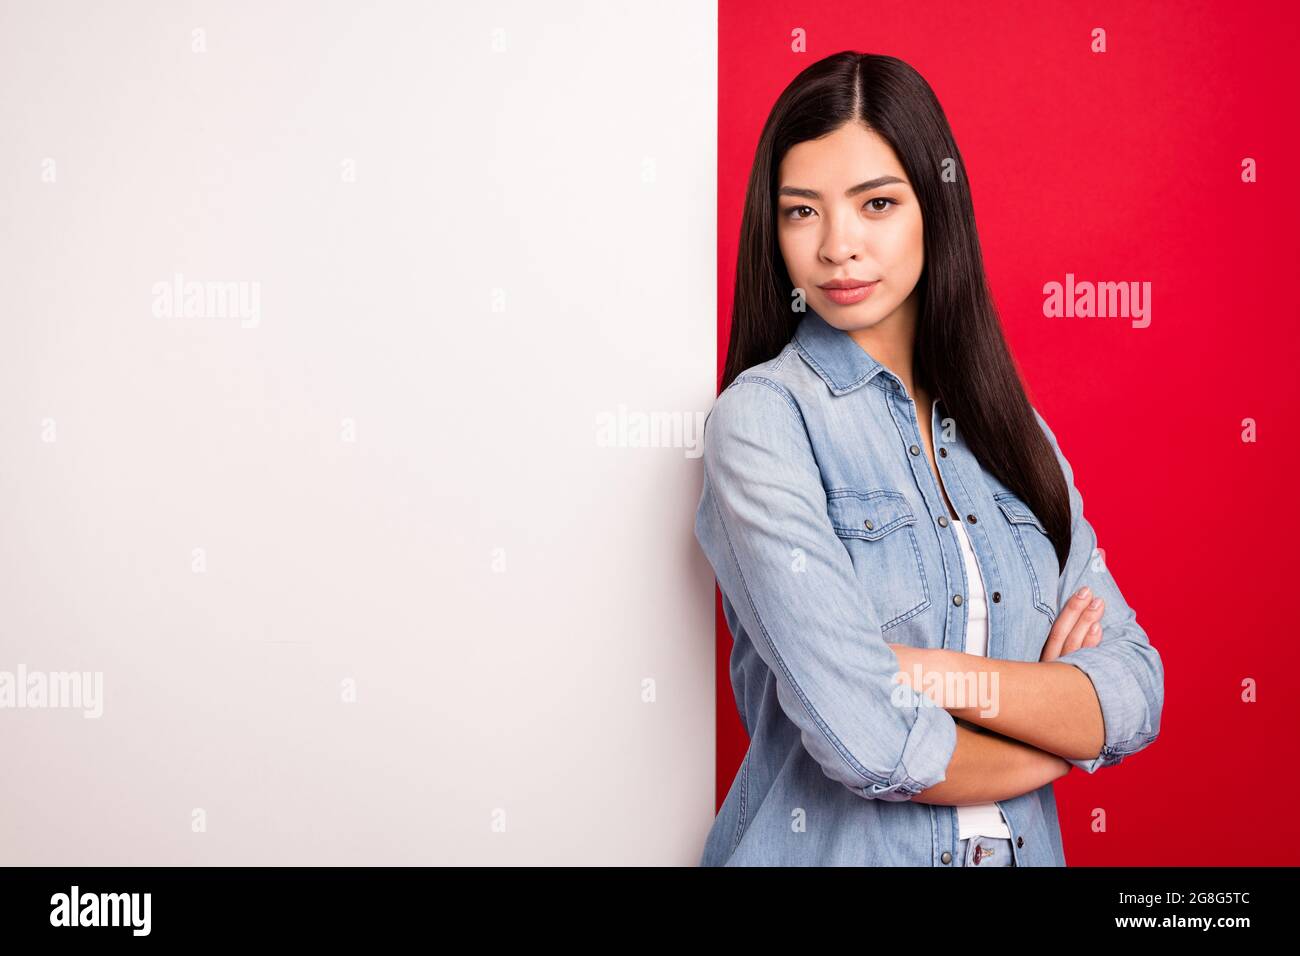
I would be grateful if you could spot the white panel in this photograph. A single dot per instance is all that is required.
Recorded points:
(453, 236)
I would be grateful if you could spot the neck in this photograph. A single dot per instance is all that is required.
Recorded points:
(891, 342)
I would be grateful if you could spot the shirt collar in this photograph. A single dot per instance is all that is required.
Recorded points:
(842, 363)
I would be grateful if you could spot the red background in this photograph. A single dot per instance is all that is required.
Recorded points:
(1121, 166)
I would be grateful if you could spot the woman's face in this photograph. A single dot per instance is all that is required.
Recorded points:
(829, 227)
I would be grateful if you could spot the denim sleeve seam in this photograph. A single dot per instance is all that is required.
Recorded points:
(849, 760)
(744, 803)
(776, 387)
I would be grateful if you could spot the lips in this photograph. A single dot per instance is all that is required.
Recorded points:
(845, 284)
(848, 291)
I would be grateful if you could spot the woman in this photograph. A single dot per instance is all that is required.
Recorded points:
(923, 642)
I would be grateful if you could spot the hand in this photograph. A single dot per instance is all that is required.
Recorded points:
(1073, 628)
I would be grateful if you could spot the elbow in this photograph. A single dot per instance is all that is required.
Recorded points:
(920, 752)
(1111, 754)
(1151, 680)
(1128, 676)
(1132, 697)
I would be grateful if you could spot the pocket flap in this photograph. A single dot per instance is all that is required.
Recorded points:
(1017, 512)
(868, 514)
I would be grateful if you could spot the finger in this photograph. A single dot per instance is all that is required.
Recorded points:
(1065, 622)
(1090, 616)
(1094, 636)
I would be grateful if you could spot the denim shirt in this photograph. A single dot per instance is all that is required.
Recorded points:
(830, 540)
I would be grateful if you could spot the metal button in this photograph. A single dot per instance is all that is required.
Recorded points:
(997, 597)
(943, 453)
(1020, 841)
(947, 857)
(956, 599)
(893, 384)
(971, 518)
(915, 450)
(943, 521)
(867, 524)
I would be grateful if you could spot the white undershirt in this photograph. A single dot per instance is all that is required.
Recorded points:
(980, 819)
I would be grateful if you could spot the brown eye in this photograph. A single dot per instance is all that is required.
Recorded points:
(790, 213)
(884, 199)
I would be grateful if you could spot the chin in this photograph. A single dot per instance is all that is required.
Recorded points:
(850, 318)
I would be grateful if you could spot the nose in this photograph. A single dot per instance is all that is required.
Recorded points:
(844, 239)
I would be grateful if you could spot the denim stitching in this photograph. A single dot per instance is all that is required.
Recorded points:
(997, 571)
(779, 389)
(1016, 533)
(907, 522)
(827, 376)
(744, 802)
(849, 760)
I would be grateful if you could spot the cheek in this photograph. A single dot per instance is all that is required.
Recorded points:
(795, 253)
(907, 250)
(916, 246)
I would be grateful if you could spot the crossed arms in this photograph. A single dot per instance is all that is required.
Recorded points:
(1046, 711)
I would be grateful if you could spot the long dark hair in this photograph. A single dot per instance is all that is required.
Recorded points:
(960, 354)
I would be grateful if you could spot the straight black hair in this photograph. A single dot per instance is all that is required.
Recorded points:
(961, 356)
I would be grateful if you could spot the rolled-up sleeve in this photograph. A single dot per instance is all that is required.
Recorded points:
(791, 584)
(1125, 669)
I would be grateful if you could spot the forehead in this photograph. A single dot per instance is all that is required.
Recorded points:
(838, 160)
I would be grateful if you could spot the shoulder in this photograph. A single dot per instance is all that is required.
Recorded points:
(761, 409)
(753, 406)
(783, 386)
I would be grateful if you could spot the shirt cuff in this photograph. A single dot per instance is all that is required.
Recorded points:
(1122, 698)
(926, 755)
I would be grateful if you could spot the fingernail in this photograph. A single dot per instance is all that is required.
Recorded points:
(1096, 603)
(1083, 592)
(1096, 627)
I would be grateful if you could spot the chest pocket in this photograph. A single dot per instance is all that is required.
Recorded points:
(879, 530)
(1036, 550)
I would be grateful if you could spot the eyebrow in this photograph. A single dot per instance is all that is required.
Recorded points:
(851, 191)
